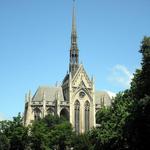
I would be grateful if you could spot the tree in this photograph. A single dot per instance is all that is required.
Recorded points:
(82, 142)
(14, 133)
(140, 85)
(137, 128)
(61, 136)
(4, 142)
(51, 132)
(109, 135)
(39, 136)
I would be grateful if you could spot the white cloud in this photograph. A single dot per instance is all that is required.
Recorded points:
(120, 75)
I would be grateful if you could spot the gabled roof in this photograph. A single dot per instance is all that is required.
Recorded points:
(51, 93)
(102, 95)
(48, 93)
(82, 71)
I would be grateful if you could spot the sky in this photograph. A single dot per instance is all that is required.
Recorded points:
(35, 44)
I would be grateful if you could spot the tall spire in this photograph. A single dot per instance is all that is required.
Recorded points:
(74, 52)
(73, 19)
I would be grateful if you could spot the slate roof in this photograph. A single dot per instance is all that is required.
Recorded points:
(49, 93)
(100, 95)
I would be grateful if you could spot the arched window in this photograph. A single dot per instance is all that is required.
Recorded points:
(37, 114)
(64, 113)
(50, 111)
(77, 116)
(87, 115)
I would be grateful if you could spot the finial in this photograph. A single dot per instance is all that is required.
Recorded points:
(43, 95)
(26, 98)
(92, 79)
(29, 96)
(56, 95)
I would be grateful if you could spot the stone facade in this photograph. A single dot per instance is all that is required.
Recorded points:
(75, 99)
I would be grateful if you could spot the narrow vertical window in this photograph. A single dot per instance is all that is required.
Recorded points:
(77, 116)
(87, 116)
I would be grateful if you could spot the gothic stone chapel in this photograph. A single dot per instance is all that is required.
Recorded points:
(76, 98)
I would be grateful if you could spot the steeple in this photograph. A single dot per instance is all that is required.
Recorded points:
(74, 52)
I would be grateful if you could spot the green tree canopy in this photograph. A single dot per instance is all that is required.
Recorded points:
(14, 134)
(51, 132)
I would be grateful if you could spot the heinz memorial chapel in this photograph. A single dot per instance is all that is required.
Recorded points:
(75, 99)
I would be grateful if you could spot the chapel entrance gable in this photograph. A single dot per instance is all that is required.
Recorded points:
(81, 79)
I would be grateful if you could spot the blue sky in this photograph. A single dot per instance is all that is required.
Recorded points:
(35, 43)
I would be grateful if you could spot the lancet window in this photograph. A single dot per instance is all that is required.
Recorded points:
(87, 115)
(37, 114)
(77, 116)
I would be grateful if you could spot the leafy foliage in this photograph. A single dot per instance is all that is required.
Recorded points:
(112, 120)
(4, 142)
(51, 132)
(14, 133)
(137, 127)
(82, 142)
(140, 86)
